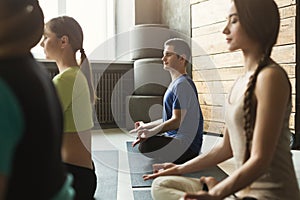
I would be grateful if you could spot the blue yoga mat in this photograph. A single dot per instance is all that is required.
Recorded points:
(140, 165)
(106, 165)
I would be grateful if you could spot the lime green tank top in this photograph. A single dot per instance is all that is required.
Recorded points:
(73, 91)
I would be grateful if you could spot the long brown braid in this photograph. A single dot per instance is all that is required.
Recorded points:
(261, 21)
(249, 107)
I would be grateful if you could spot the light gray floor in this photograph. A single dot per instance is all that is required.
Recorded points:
(115, 139)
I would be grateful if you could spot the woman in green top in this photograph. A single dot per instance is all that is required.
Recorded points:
(63, 37)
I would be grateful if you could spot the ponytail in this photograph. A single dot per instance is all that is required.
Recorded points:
(86, 69)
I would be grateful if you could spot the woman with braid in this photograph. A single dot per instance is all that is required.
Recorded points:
(63, 37)
(257, 132)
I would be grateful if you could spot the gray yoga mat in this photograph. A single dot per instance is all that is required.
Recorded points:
(140, 164)
(142, 195)
(106, 165)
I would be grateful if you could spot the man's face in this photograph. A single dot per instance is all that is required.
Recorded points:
(170, 58)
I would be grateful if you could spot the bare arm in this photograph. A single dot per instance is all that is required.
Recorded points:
(221, 152)
(272, 92)
(171, 124)
(141, 125)
(152, 124)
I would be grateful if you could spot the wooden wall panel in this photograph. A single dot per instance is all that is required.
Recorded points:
(214, 126)
(228, 59)
(202, 13)
(212, 99)
(202, 43)
(217, 74)
(286, 33)
(215, 68)
(286, 12)
(282, 3)
(196, 1)
(214, 87)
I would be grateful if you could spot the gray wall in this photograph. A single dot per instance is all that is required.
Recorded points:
(124, 23)
(176, 14)
(147, 12)
(125, 15)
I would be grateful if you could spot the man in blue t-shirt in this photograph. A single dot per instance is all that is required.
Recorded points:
(177, 137)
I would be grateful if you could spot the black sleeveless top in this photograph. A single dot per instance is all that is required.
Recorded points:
(37, 170)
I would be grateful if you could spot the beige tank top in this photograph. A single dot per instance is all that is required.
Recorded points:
(279, 182)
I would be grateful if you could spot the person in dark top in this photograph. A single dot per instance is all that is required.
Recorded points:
(31, 122)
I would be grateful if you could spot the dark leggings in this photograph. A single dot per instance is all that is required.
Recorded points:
(85, 181)
(152, 147)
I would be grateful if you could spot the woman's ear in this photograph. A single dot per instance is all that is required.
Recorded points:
(64, 40)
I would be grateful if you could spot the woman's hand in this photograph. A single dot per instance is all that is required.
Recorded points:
(163, 169)
(201, 195)
(210, 182)
(150, 176)
(162, 166)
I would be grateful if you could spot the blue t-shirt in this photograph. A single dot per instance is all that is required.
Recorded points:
(182, 94)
